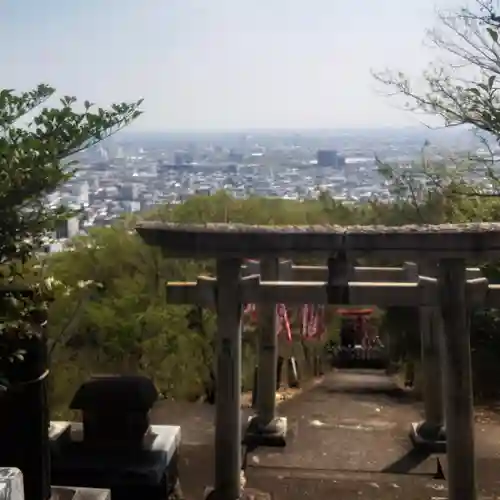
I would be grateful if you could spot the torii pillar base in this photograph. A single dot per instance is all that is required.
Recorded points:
(428, 437)
(272, 433)
(247, 494)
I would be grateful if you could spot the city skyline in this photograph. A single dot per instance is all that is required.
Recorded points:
(222, 65)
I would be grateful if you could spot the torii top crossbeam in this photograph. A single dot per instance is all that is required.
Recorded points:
(465, 241)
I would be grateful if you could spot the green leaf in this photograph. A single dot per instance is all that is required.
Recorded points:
(473, 90)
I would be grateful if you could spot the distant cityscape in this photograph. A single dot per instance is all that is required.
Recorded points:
(135, 172)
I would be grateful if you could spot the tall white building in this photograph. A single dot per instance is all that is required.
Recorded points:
(84, 193)
(80, 193)
(68, 228)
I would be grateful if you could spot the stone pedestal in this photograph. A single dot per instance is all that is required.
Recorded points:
(59, 436)
(149, 471)
(428, 437)
(272, 433)
(11, 484)
(76, 493)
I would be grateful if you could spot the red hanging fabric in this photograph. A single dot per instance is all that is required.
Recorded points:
(283, 321)
(288, 327)
(305, 321)
(320, 315)
(313, 321)
(251, 310)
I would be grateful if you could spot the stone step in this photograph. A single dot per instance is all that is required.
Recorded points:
(344, 475)
(295, 483)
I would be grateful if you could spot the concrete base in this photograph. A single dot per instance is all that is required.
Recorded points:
(272, 434)
(247, 494)
(210, 493)
(428, 438)
(77, 493)
(151, 471)
(11, 484)
(59, 435)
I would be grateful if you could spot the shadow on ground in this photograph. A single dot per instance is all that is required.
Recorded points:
(409, 462)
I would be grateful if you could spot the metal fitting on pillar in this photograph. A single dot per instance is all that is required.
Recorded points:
(339, 274)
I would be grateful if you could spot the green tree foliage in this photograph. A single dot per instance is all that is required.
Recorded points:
(127, 326)
(124, 325)
(35, 160)
(37, 145)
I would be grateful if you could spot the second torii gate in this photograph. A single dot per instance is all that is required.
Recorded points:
(430, 434)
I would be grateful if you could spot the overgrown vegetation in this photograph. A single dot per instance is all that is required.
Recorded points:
(127, 326)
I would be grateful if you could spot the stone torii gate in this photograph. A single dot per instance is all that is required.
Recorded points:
(450, 245)
(269, 430)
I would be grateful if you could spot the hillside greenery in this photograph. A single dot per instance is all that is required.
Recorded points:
(125, 325)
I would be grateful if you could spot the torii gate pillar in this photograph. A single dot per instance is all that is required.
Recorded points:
(266, 428)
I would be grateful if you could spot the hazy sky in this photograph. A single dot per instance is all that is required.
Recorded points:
(220, 64)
